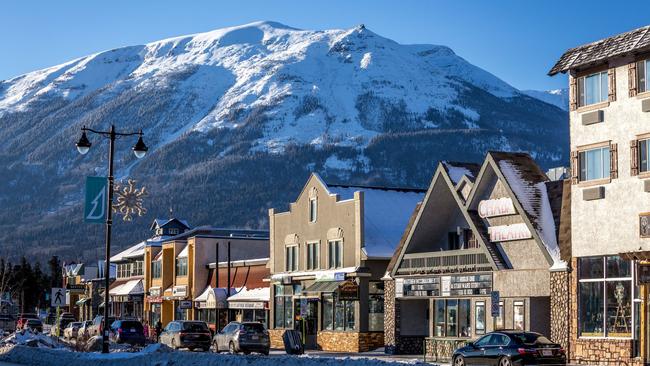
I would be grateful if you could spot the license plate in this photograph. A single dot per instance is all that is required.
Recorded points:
(255, 337)
(547, 352)
(132, 330)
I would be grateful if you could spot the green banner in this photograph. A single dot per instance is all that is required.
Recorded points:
(95, 205)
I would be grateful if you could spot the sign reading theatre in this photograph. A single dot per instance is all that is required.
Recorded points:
(509, 232)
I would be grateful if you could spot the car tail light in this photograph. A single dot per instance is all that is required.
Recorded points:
(525, 351)
(562, 351)
(119, 330)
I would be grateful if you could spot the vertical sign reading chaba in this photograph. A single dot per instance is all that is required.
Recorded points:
(95, 206)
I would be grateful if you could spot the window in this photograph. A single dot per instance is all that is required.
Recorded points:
(479, 317)
(376, 307)
(452, 318)
(594, 164)
(500, 319)
(313, 209)
(181, 266)
(313, 256)
(593, 89)
(136, 269)
(338, 314)
(605, 297)
(518, 315)
(335, 254)
(642, 80)
(156, 269)
(282, 307)
(291, 258)
(453, 241)
(644, 155)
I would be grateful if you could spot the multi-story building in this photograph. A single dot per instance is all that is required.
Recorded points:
(481, 253)
(610, 226)
(177, 271)
(76, 277)
(328, 255)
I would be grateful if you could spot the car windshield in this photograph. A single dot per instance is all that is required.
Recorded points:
(252, 328)
(128, 324)
(75, 324)
(195, 327)
(531, 338)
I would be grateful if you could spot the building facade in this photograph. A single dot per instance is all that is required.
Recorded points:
(610, 131)
(480, 254)
(328, 254)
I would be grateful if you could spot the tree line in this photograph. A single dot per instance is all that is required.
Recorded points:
(25, 287)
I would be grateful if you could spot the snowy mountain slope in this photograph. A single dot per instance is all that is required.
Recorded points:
(236, 118)
(556, 97)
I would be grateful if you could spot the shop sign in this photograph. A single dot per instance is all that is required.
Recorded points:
(135, 297)
(644, 225)
(348, 290)
(201, 304)
(339, 276)
(185, 304)
(445, 285)
(509, 232)
(453, 285)
(154, 299)
(179, 291)
(494, 304)
(246, 305)
(76, 289)
(496, 207)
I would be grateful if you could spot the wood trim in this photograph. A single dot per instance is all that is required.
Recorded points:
(631, 79)
(644, 95)
(574, 167)
(592, 70)
(611, 84)
(613, 161)
(595, 182)
(634, 160)
(644, 175)
(594, 145)
(592, 107)
(573, 93)
(643, 136)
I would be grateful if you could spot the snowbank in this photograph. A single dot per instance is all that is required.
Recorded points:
(158, 355)
(27, 338)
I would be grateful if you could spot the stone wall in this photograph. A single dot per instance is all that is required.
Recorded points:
(606, 351)
(390, 329)
(560, 307)
(275, 336)
(336, 341)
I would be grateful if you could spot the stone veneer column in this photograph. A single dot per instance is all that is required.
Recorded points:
(390, 317)
(560, 292)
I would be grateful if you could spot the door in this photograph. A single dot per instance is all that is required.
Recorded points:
(495, 349)
(477, 355)
(311, 324)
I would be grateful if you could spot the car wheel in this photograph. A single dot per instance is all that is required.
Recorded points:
(215, 347)
(505, 361)
(459, 361)
(205, 349)
(247, 352)
(231, 348)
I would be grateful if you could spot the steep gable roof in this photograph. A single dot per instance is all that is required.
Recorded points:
(457, 170)
(637, 40)
(164, 222)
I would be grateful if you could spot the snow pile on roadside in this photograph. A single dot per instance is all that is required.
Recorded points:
(158, 355)
(28, 338)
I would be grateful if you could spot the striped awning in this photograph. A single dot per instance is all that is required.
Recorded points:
(323, 286)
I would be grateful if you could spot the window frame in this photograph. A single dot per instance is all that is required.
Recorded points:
(445, 318)
(157, 270)
(643, 139)
(582, 156)
(604, 280)
(294, 266)
(522, 304)
(581, 96)
(642, 82)
(346, 304)
(340, 249)
(181, 267)
(477, 305)
(311, 248)
(313, 209)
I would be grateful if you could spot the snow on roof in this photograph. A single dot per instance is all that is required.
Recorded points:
(183, 253)
(131, 252)
(457, 171)
(132, 287)
(254, 294)
(163, 222)
(532, 195)
(386, 214)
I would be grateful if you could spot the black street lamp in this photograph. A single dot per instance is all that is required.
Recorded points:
(139, 150)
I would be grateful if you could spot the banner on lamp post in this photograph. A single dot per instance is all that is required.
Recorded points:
(95, 209)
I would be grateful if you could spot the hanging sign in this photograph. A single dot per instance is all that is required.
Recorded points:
(509, 232)
(185, 304)
(348, 290)
(96, 197)
(496, 207)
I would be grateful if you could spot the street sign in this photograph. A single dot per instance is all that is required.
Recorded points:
(95, 206)
(494, 304)
(58, 297)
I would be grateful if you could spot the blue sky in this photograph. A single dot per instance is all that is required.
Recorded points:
(516, 40)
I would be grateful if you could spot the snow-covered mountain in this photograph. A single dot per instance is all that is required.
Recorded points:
(236, 118)
(556, 97)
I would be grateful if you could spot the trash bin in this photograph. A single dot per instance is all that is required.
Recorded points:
(293, 342)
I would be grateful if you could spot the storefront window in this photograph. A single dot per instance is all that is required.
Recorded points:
(518, 315)
(452, 318)
(500, 319)
(283, 309)
(349, 315)
(337, 314)
(605, 297)
(154, 315)
(328, 311)
(479, 315)
(181, 266)
(376, 307)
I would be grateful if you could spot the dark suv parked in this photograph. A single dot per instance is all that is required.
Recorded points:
(128, 331)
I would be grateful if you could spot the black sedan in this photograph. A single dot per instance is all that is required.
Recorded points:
(510, 348)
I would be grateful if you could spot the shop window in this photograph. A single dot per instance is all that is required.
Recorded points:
(156, 269)
(605, 297)
(376, 307)
(642, 80)
(291, 258)
(337, 314)
(518, 315)
(181, 266)
(452, 318)
(313, 256)
(479, 317)
(593, 89)
(501, 318)
(644, 155)
(283, 307)
(335, 254)
(594, 164)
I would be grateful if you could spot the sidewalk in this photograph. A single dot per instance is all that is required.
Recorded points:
(375, 355)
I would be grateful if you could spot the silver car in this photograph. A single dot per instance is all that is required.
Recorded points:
(244, 337)
(186, 334)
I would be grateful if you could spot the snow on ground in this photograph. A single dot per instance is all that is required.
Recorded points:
(159, 355)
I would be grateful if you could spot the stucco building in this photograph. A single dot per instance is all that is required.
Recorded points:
(328, 254)
(610, 226)
(484, 241)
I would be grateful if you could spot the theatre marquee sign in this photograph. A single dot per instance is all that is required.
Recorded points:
(443, 286)
(509, 232)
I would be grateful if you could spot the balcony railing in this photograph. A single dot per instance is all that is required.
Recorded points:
(450, 261)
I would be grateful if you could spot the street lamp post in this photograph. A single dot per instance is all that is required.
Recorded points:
(139, 150)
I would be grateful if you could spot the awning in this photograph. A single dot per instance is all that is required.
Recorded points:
(255, 294)
(82, 301)
(133, 287)
(213, 298)
(323, 286)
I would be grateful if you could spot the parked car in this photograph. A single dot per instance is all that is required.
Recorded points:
(60, 325)
(128, 331)
(34, 324)
(7, 323)
(71, 330)
(98, 323)
(22, 319)
(242, 337)
(82, 333)
(508, 348)
(186, 334)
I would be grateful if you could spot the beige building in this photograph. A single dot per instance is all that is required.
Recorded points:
(328, 254)
(481, 253)
(610, 131)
